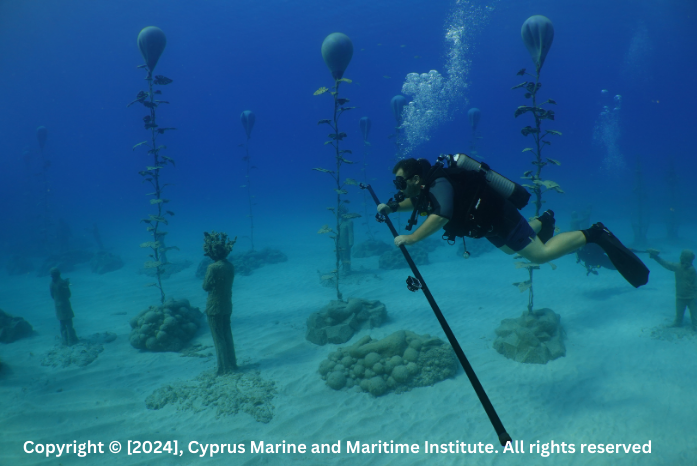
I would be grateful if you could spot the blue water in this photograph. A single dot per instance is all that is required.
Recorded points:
(71, 66)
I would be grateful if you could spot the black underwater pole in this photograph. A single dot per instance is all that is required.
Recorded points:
(418, 283)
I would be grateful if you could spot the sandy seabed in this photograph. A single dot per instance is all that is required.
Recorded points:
(625, 379)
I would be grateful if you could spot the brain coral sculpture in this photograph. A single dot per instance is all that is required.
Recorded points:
(398, 363)
(165, 328)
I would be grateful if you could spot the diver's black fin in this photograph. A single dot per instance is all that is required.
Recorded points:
(627, 263)
(548, 221)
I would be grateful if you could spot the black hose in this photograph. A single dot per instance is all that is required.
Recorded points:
(504, 438)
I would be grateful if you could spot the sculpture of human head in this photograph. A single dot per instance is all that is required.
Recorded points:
(55, 273)
(686, 257)
(217, 246)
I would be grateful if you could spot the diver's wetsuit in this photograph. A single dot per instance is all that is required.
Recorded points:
(507, 227)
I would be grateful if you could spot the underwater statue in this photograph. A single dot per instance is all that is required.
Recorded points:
(685, 284)
(474, 114)
(218, 283)
(345, 240)
(581, 220)
(60, 292)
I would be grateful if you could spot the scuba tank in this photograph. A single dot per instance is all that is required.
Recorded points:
(508, 189)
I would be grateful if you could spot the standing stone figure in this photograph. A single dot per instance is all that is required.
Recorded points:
(685, 284)
(60, 292)
(218, 283)
(345, 241)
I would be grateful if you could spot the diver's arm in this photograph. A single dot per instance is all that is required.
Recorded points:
(404, 206)
(432, 224)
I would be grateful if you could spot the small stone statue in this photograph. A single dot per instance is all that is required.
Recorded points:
(218, 283)
(582, 220)
(60, 292)
(685, 284)
(345, 241)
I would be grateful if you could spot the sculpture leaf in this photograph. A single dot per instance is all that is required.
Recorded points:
(323, 170)
(522, 109)
(522, 286)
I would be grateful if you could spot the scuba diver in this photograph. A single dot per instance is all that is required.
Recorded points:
(468, 199)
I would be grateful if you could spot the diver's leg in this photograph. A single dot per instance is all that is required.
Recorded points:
(557, 246)
(625, 261)
(506, 250)
(544, 226)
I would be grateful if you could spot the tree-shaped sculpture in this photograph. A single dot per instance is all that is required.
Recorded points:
(337, 50)
(537, 33)
(365, 124)
(248, 118)
(151, 42)
(397, 104)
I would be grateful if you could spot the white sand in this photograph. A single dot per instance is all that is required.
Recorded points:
(615, 385)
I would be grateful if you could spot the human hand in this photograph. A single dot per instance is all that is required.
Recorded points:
(653, 253)
(384, 209)
(405, 240)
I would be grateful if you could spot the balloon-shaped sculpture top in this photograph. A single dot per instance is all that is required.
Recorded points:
(247, 118)
(151, 42)
(398, 102)
(41, 135)
(474, 115)
(337, 50)
(538, 34)
(365, 127)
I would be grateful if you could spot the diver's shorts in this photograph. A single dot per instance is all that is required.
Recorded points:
(519, 235)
